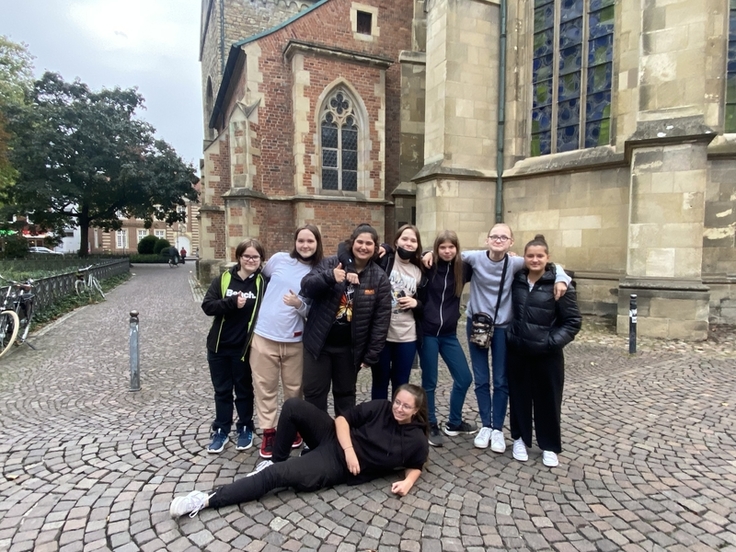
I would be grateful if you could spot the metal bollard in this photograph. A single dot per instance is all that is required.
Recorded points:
(135, 372)
(632, 324)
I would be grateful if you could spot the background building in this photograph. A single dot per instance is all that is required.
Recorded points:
(606, 125)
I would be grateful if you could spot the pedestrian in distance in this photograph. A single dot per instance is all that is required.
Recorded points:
(370, 440)
(234, 299)
(541, 328)
(277, 352)
(183, 255)
(441, 299)
(403, 265)
(348, 320)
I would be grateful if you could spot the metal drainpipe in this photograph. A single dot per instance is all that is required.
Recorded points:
(222, 37)
(501, 112)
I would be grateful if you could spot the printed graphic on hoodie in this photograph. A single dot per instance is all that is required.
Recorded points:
(403, 284)
(345, 310)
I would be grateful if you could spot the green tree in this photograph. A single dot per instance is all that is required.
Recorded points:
(84, 160)
(145, 246)
(16, 80)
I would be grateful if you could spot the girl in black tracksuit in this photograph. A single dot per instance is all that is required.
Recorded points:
(234, 298)
(368, 441)
(535, 363)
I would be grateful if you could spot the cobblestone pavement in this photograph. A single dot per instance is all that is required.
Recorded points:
(649, 459)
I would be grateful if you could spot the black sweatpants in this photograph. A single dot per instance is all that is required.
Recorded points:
(230, 374)
(334, 365)
(323, 467)
(535, 386)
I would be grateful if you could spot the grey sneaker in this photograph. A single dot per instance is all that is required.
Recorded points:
(462, 427)
(435, 436)
(190, 504)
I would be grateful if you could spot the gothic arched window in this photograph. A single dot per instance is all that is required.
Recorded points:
(339, 144)
(572, 74)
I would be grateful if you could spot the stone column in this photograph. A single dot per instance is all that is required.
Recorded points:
(665, 234)
(456, 186)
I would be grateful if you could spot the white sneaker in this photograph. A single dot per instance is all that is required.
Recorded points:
(549, 459)
(498, 443)
(260, 467)
(190, 504)
(481, 440)
(520, 450)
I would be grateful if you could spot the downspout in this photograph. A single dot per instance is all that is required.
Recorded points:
(222, 37)
(501, 133)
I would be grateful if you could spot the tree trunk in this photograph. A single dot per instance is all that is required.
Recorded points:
(84, 232)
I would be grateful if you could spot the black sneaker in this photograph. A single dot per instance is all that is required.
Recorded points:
(462, 427)
(435, 436)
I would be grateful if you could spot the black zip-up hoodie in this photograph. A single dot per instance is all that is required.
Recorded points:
(381, 443)
(232, 327)
(441, 305)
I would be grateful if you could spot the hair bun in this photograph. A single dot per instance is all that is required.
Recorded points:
(540, 237)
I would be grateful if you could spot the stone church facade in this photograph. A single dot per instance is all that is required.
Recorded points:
(607, 125)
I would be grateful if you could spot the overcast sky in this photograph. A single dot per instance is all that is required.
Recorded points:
(149, 44)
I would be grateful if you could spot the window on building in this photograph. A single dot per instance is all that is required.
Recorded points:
(571, 74)
(365, 22)
(121, 239)
(339, 144)
(730, 123)
(142, 233)
(160, 234)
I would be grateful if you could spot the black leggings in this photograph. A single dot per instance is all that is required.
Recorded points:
(323, 467)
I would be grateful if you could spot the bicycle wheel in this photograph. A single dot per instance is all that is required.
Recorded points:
(96, 285)
(8, 330)
(80, 286)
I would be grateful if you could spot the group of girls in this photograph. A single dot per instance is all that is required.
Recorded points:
(358, 310)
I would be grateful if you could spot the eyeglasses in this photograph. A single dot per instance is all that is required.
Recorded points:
(251, 258)
(502, 239)
(402, 406)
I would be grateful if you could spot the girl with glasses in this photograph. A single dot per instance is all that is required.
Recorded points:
(367, 441)
(233, 299)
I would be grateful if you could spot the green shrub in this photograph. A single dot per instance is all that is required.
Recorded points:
(15, 247)
(146, 245)
(161, 244)
(141, 259)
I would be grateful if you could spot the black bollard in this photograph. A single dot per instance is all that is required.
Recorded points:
(135, 372)
(632, 324)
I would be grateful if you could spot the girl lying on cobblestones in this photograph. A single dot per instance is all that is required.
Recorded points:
(368, 441)
(541, 327)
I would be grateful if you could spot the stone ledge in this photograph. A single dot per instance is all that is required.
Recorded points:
(438, 170)
(296, 46)
(572, 161)
(409, 56)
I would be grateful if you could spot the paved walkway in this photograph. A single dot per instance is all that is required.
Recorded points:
(649, 460)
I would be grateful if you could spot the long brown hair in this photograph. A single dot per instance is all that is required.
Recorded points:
(318, 253)
(457, 270)
(420, 402)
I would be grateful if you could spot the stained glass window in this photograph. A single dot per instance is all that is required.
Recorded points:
(730, 123)
(339, 132)
(572, 73)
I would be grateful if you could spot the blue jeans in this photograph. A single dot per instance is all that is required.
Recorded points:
(394, 365)
(481, 374)
(452, 353)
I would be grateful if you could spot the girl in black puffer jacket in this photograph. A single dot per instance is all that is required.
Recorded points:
(348, 320)
(535, 362)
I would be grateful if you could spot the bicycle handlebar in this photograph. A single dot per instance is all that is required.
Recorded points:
(26, 286)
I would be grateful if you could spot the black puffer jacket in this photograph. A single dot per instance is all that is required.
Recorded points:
(371, 309)
(540, 323)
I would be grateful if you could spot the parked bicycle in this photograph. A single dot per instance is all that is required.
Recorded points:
(87, 283)
(16, 314)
